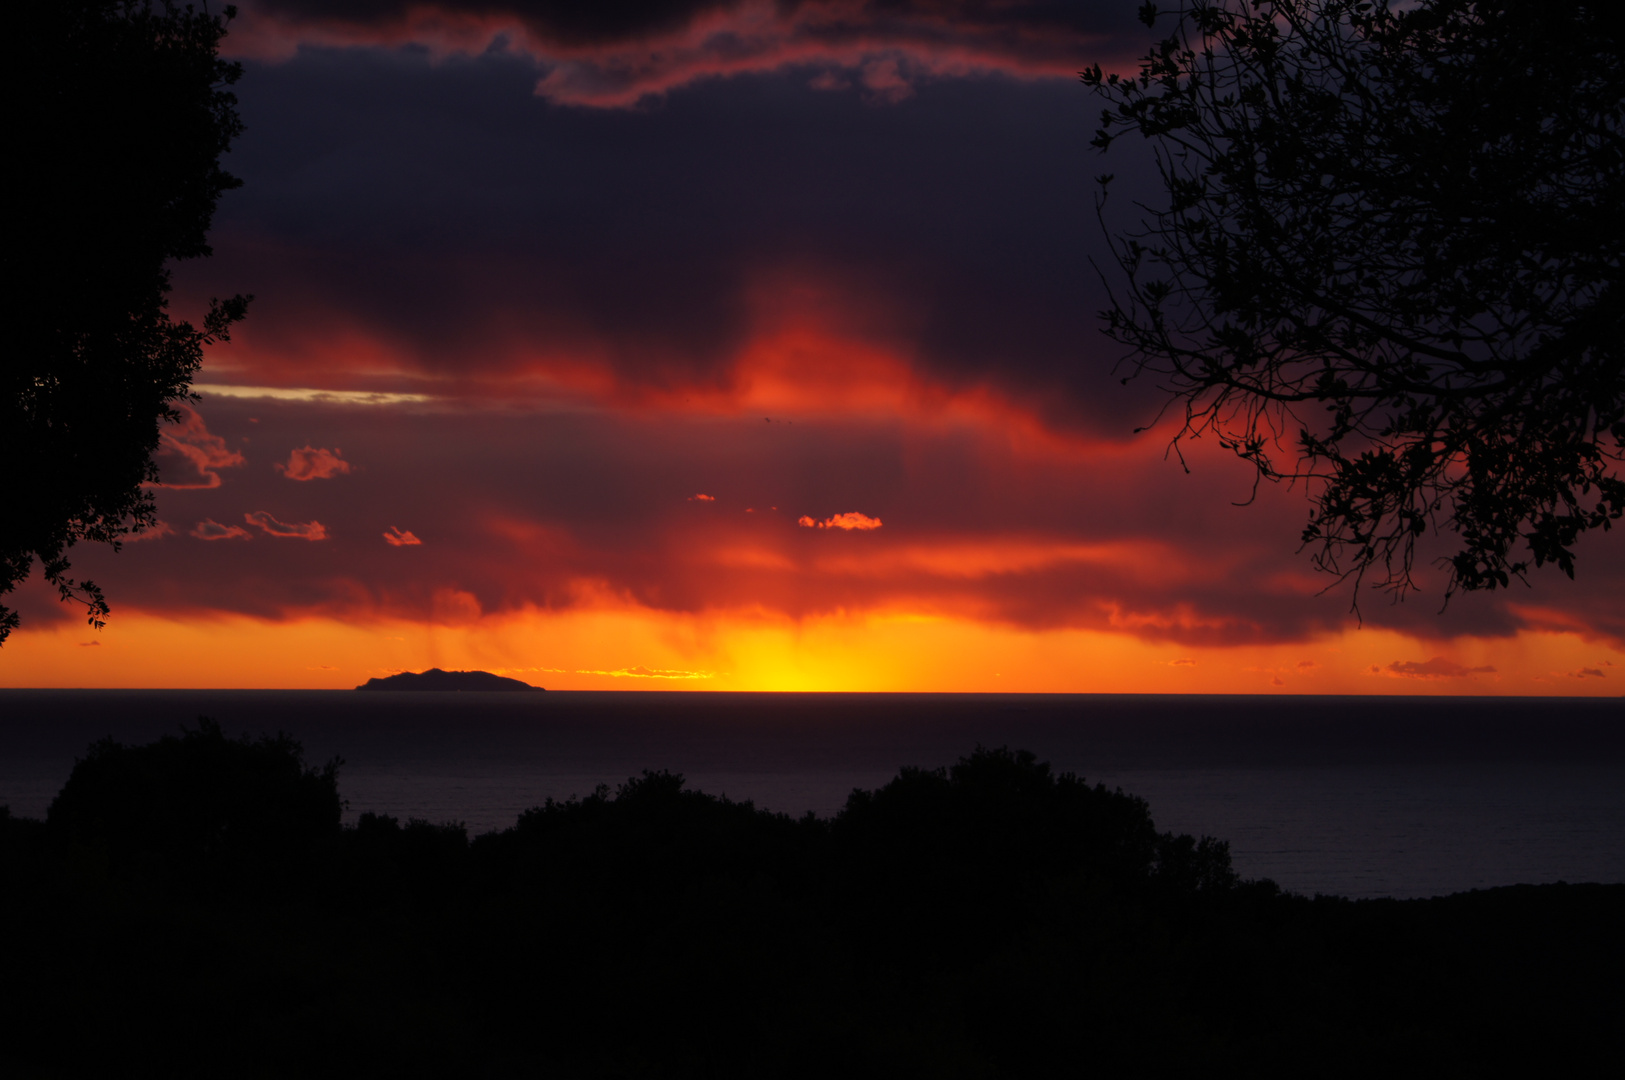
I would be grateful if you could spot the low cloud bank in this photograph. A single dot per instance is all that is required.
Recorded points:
(1436, 668)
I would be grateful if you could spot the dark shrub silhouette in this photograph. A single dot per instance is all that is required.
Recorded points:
(384, 863)
(200, 807)
(997, 816)
(989, 919)
(652, 833)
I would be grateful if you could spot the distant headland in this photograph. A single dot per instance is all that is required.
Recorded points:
(435, 679)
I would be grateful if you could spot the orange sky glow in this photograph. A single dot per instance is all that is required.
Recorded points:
(753, 352)
(612, 648)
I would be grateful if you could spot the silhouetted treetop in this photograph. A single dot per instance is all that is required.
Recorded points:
(118, 117)
(200, 804)
(1397, 232)
(651, 832)
(997, 813)
(1000, 818)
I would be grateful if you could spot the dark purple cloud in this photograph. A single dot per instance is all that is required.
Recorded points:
(619, 55)
(562, 20)
(459, 226)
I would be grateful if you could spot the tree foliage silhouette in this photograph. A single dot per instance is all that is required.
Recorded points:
(1398, 231)
(992, 918)
(120, 114)
(200, 805)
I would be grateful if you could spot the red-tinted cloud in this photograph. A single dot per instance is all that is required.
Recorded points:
(212, 530)
(1594, 613)
(616, 55)
(299, 530)
(314, 463)
(202, 453)
(588, 508)
(397, 538)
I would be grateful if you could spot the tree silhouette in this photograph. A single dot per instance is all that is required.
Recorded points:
(202, 806)
(198, 898)
(117, 128)
(1399, 233)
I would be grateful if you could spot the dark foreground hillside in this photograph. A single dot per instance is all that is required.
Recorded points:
(195, 906)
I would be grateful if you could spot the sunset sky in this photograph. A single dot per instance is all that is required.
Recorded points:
(731, 345)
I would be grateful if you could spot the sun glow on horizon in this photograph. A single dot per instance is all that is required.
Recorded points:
(899, 651)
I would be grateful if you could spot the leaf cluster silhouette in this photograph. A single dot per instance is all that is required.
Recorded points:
(1392, 233)
(197, 902)
(121, 111)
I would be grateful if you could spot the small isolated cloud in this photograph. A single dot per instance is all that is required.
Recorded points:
(295, 530)
(1305, 665)
(210, 529)
(158, 531)
(702, 498)
(885, 81)
(314, 463)
(396, 538)
(1277, 681)
(830, 80)
(1183, 661)
(1437, 668)
(853, 520)
(189, 439)
(1588, 673)
(88, 644)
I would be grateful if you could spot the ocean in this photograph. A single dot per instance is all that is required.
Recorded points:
(1354, 796)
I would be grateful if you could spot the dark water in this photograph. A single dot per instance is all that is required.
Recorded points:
(1356, 796)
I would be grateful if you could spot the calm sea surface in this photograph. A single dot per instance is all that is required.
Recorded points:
(1355, 796)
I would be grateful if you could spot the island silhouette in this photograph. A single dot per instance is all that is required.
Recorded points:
(436, 679)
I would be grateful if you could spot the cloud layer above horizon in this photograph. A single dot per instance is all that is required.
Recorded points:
(718, 312)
